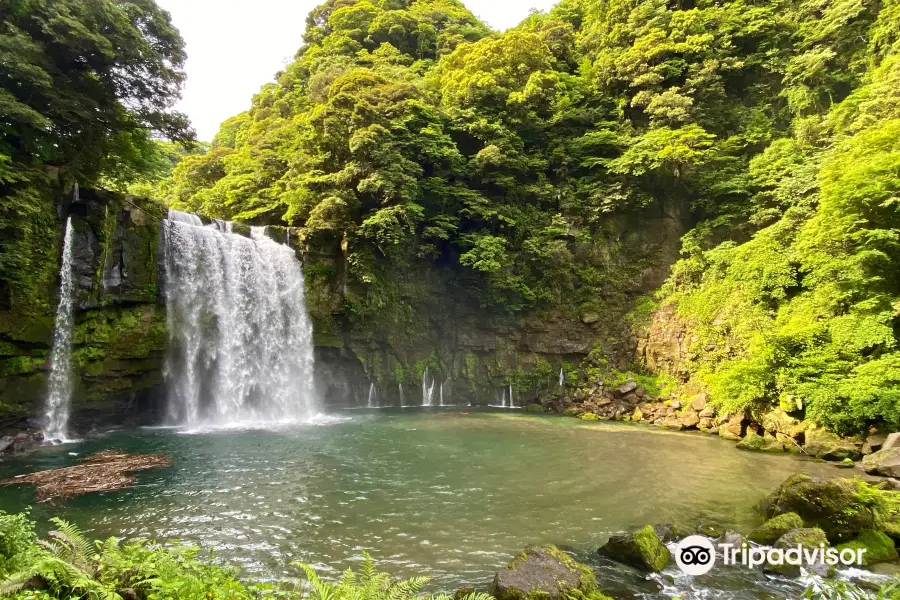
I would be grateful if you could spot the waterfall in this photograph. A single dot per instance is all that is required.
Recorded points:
(400, 387)
(372, 401)
(241, 340)
(441, 395)
(511, 405)
(562, 377)
(427, 389)
(56, 413)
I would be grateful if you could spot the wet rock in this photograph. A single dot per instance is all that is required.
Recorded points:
(639, 548)
(879, 548)
(698, 402)
(834, 505)
(706, 424)
(769, 532)
(673, 422)
(732, 538)
(824, 444)
(668, 532)
(5, 442)
(845, 464)
(885, 462)
(890, 569)
(590, 318)
(544, 572)
(811, 537)
(710, 529)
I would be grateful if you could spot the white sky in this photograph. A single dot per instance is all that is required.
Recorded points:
(235, 46)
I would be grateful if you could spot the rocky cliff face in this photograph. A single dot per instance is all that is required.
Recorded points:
(120, 333)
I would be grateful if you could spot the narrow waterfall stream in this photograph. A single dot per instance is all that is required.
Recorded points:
(241, 340)
(59, 396)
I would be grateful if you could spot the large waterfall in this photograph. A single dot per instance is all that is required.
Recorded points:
(56, 413)
(241, 340)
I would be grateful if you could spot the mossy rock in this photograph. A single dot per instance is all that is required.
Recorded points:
(534, 408)
(821, 443)
(808, 537)
(589, 416)
(847, 463)
(769, 532)
(758, 443)
(639, 548)
(841, 507)
(878, 547)
(545, 573)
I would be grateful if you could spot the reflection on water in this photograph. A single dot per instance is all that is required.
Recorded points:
(448, 494)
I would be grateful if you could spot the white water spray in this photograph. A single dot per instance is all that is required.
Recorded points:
(562, 377)
(427, 389)
(372, 400)
(400, 387)
(59, 396)
(241, 349)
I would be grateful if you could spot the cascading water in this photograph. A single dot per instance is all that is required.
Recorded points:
(241, 340)
(400, 387)
(427, 389)
(56, 413)
(562, 377)
(372, 401)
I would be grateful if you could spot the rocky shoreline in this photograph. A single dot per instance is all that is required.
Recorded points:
(845, 514)
(877, 453)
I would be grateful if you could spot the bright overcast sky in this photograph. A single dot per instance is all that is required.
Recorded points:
(235, 46)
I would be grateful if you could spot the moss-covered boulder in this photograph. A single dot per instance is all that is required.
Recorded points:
(639, 548)
(769, 532)
(821, 443)
(878, 547)
(544, 573)
(809, 538)
(759, 443)
(841, 507)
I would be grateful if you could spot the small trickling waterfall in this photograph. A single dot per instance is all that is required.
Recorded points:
(372, 401)
(241, 340)
(562, 377)
(402, 402)
(56, 413)
(511, 403)
(427, 389)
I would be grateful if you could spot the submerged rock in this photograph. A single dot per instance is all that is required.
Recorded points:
(769, 532)
(639, 548)
(879, 548)
(545, 573)
(834, 505)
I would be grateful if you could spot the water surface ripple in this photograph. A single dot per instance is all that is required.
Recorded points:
(449, 494)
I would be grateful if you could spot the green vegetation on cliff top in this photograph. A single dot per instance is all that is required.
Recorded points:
(406, 135)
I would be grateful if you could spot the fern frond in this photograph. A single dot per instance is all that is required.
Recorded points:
(406, 588)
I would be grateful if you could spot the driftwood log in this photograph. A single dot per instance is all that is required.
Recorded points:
(101, 472)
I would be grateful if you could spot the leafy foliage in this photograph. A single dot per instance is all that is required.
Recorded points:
(67, 565)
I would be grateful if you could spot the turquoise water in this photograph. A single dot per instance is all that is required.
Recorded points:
(449, 494)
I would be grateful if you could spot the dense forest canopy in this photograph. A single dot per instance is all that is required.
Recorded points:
(408, 133)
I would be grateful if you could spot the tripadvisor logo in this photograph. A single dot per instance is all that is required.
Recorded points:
(696, 555)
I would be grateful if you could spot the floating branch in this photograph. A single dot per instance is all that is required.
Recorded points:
(101, 472)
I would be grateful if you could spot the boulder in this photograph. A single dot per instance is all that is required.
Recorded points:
(639, 548)
(698, 402)
(878, 547)
(668, 532)
(885, 462)
(626, 388)
(732, 429)
(544, 572)
(769, 532)
(890, 441)
(732, 538)
(778, 421)
(673, 422)
(632, 398)
(811, 537)
(845, 464)
(637, 415)
(874, 441)
(706, 424)
(708, 413)
(689, 419)
(590, 318)
(824, 444)
(5, 442)
(838, 506)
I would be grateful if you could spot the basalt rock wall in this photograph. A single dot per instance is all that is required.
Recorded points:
(120, 334)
